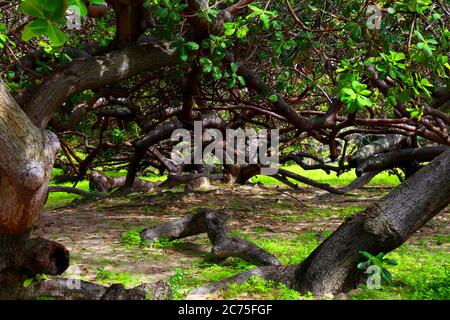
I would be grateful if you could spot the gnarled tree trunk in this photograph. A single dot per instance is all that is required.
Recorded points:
(26, 160)
(384, 226)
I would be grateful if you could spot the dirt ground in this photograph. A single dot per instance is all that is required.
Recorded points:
(93, 231)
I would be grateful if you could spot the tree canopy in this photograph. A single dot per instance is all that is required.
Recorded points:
(351, 86)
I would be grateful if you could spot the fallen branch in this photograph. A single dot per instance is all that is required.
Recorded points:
(101, 183)
(215, 225)
(72, 289)
(80, 192)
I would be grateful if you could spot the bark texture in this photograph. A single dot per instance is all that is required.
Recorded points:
(331, 268)
(69, 289)
(215, 225)
(101, 183)
(26, 159)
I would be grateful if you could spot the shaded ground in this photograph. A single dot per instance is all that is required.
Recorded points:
(103, 238)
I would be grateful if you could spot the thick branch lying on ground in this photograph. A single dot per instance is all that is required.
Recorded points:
(191, 181)
(71, 289)
(77, 191)
(215, 225)
(101, 183)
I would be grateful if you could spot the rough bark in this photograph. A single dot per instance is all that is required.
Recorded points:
(101, 183)
(21, 258)
(26, 159)
(67, 289)
(215, 225)
(384, 226)
(192, 182)
(379, 146)
(77, 191)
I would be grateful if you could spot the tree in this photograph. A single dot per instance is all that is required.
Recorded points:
(138, 70)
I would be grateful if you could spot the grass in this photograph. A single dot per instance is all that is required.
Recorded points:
(293, 215)
(258, 288)
(109, 277)
(422, 273)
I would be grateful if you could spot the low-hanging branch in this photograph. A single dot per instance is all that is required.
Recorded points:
(215, 225)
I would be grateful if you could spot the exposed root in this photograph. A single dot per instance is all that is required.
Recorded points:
(215, 225)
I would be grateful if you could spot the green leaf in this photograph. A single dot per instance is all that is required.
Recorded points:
(35, 28)
(349, 93)
(241, 80)
(393, 74)
(183, 54)
(390, 262)
(386, 275)
(362, 265)
(393, 100)
(358, 87)
(229, 32)
(80, 4)
(97, 2)
(380, 255)
(265, 21)
(51, 5)
(428, 50)
(28, 282)
(426, 83)
(367, 255)
(419, 35)
(33, 8)
(216, 73)
(56, 36)
(363, 102)
(234, 67)
(207, 64)
(273, 98)
(192, 46)
(241, 33)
